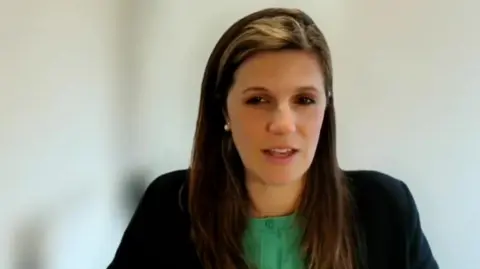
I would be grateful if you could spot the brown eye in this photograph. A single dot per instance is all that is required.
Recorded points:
(256, 100)
(304, 100)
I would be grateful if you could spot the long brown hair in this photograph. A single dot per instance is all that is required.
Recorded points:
(218, 202)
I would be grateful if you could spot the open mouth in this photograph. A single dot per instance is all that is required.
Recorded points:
(281, 153)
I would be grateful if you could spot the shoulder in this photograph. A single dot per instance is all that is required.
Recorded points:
(166, 198)
(168, 192)
(169, 182)
(379, 197)
(375, 185)
(162, 200)
(389, 219)
(158, 225)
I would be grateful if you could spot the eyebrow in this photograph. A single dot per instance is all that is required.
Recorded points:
(263, 89)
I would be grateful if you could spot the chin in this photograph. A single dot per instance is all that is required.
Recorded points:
(279, 177)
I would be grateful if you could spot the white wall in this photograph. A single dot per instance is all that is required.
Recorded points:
(409, 105)
(407, 95)
(60, 103)
(406, 83)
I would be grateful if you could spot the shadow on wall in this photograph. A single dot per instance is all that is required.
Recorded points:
(33, 236)
(29, 240)
(133, 190)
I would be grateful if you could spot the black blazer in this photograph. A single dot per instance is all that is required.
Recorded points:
(158, 234)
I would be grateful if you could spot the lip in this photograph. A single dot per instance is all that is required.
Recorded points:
(281, 147)
(278, 159)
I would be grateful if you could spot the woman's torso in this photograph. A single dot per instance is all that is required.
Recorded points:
(158, 236)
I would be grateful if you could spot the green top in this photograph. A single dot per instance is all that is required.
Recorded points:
(273, 243)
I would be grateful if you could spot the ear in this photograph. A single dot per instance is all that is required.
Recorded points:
(226, 126)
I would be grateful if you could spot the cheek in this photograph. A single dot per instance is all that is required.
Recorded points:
(246, 128)
(311, 124)
(247, 137)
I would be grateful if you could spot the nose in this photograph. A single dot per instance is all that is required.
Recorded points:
(282, 122)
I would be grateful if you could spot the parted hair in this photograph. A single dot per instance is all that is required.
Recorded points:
(218, 200)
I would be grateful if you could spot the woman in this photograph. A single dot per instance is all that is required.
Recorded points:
(264, 189)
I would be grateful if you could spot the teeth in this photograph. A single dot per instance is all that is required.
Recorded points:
(281, 150)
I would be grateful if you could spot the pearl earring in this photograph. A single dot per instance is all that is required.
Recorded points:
(226, 127)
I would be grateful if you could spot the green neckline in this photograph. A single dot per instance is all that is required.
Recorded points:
(281, 222)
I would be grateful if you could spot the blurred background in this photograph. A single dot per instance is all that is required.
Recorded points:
(97, 98)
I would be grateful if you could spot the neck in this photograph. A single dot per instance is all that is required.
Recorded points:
(273, 200)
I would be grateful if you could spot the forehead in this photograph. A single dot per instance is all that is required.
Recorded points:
(280, 70)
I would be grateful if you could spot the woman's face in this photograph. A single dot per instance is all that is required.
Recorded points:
(275, 108)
